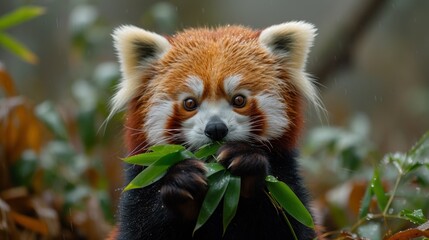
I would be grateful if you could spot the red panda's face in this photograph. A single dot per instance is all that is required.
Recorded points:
(230, 112)
(228, 84)
(224, 90)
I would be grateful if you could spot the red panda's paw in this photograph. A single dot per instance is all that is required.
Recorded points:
(184, 188)
(248, 162)
(243, 159)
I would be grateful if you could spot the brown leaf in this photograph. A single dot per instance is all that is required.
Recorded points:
(91, 221)
(33, 224)
(29, 212)
(356, 196)
(19, 127)
(420, 231)
(6, 83)
(6, 224)
(48, 215)
(13, 193)
(18, 199)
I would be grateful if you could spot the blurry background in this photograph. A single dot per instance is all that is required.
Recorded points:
(369, 58)
(383, 75)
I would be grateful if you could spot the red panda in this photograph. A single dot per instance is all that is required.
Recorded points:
(233, 84)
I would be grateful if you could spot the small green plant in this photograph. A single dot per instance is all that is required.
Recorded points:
(12, 19)
(393, 200)
(409, 167)
(222, 184)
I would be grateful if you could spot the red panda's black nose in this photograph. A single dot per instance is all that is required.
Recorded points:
(215, 129)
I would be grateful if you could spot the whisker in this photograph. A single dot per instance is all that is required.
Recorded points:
(138, 148)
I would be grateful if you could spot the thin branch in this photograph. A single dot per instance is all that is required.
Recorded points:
(336, 50)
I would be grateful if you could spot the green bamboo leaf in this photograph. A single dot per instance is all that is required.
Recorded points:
(378, 190)
(217, 186)
(208, 150)
(187, 154)
(19, 16)
(213, 168)
(364, 206)
(230, 201)
(289, 201)
(166, 148)
(17, 48)
(155, 171)
(144, 159)
(415, 216)
(159, 151)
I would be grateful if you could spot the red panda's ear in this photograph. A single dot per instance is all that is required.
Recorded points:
(136, 49)
(290, 42)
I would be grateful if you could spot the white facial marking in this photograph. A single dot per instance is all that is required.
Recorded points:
(274, 109)
(157, 120)
(231, 83)
(196, 85)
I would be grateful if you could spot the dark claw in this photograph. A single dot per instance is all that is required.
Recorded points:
(248, 162)
(184, 187)
(243, 159)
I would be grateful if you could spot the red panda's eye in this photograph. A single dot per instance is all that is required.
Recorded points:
(239, 101)
(190, 104)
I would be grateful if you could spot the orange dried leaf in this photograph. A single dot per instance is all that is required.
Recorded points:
(48, 215)
(91, 221)
(409, 234)
(420, 231)
(6, 83)
(30, 223)
(20, 128)
(13, 193)
(356, 195)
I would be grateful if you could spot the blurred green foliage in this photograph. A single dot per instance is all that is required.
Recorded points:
(365, 193)
(69, 171)
(12, 19)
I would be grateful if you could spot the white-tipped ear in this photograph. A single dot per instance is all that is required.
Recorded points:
(290, 42)
(136, 49)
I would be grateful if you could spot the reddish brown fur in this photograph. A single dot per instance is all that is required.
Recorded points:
(175, 122)
(213, 55)
(257, 116)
